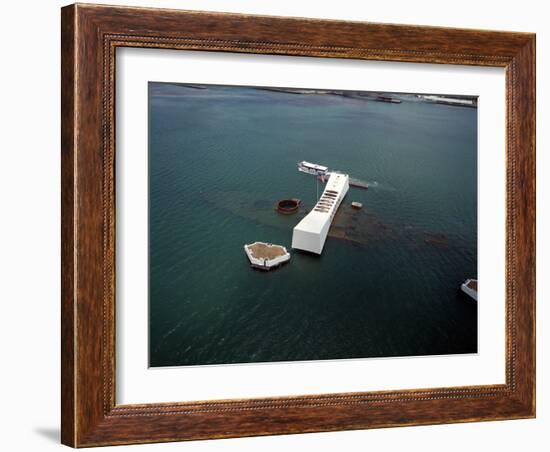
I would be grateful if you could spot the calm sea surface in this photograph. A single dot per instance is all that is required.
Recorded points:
(387, 281)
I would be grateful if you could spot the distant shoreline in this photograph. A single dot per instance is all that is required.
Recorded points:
(373, 96)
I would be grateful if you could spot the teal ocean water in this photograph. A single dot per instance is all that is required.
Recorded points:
(387, 283)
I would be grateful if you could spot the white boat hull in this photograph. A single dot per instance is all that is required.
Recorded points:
(311, 171)
(312, 168)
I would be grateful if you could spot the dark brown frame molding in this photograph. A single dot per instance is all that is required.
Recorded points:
(90, 36)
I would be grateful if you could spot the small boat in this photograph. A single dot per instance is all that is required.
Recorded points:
(312, 168)
(469, 287)
(356, 205)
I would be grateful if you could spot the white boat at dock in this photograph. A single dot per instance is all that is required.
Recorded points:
(312, 168)
(323, 173)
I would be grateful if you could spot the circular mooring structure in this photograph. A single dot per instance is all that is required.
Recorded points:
(288, 206)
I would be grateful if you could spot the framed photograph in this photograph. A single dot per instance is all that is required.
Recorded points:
(281, 225)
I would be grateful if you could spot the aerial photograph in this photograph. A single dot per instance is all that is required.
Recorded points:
(298, 224)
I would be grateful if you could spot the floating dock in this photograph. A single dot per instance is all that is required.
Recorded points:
(266, 256)
(351, 181)
(358, 183)
(310, 234)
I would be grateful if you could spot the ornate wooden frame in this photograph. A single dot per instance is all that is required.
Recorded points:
(90, 35)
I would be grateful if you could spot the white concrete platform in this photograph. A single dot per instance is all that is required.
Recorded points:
(310, 234)
(266, 256)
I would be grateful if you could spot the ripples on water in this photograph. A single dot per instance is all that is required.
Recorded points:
(387, 282)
